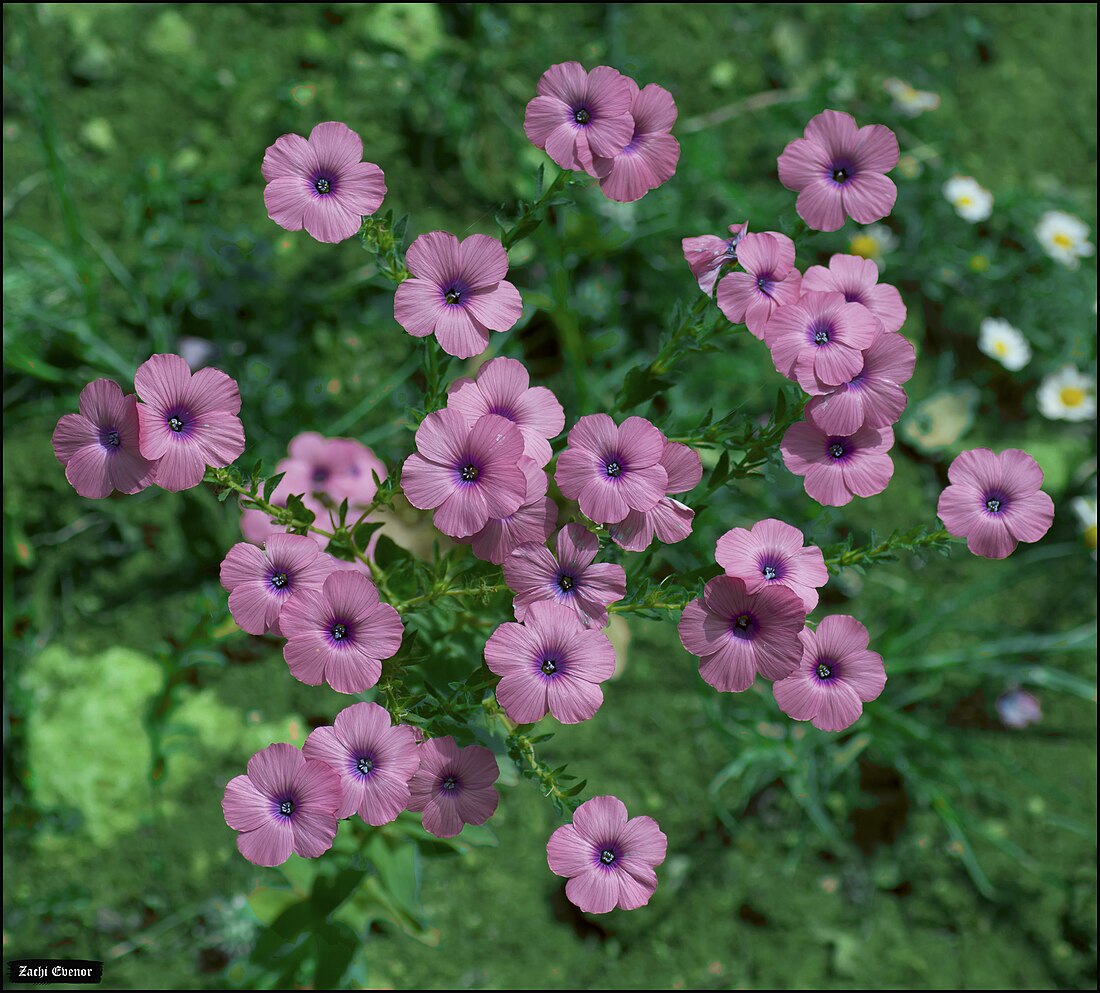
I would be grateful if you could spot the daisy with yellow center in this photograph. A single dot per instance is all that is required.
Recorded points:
(873, 242)
(1001, 341)
(1068, 395)
(972, 202)
(1064, 238)
(1085, 509)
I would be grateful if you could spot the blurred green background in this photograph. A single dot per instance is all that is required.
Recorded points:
(932, 847)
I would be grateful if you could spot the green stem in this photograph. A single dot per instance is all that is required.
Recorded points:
(532, 214)
(906, 541)
(482, 591)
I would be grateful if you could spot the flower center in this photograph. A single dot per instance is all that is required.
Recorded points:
(743, 622)
(581, 116)
(279, 580)
(175, 423)
(614, 469)
(769, 572)
(320, 475)
(824, 670)
(840, 175)
(322, 185)
(821, 334)
(468, 473)
(549, 666)
(607, 856)
(836, 450)
(364, 765)
(566, 583)
(339, 632)
(452, 295)
(109, 438)
(450, 783)
(1072, 396)
(993, 505)
(286, 808)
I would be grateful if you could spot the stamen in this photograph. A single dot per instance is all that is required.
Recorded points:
(364, 765)
(824, 670)
(468, 473)
(582, 116)
(175, 423)
(836, 450)
(607, 856)
(549, 666)
(322, 185)
(566, 583)
(279, 580)
(339, 632)
(840, 175)
(769, 572)
(286, 808)
(743, 622)
(614, 469)
(450, 783)
(111, 438)
(993, 505)
(452, 295)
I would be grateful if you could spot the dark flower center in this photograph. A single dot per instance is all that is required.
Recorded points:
(993, 505)
(110, 438)
(450, 783)
(607, 856)
(836, 450)
(821, 334)
(761, 283)
(175, 423)
(581, 116)
(549, 666)
(566, 583)
(743, 623)
(769, 572)
(614, 469)
(339, 632)
(322, 185)
(824, 670)
(840, 175)
(468, 473)
(286, 808)
(320, 475)
(452, 295)
(279, 580)
(364, 765)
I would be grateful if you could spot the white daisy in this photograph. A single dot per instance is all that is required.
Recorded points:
(873, 242)
(1067, 395)
(1064, 238)
(1001, 341)
(908, 99)
(972, 202)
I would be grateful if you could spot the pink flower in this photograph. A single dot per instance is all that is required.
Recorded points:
(187, 421)
(994, 501)
(285, 804)
(373, 759)
(819, 340)
(838, 467)
(502, 386)
(317, 467)
(768, 280)
(550, 663)
(468, 475)
(453, 786)
(874, 396)
(534, 521)
(649, 158)
(836, 676)
(607, 858)
(707, 253)
(857, 279)
(100, 446)
(340, 633)
(1018, 708)
(572, 579)
(321, 183)
(737, 634)
(457, 292)
(611, 470)
(669, 520)
(579, 115)
(839, 168)
(260, 583)
(770, 553)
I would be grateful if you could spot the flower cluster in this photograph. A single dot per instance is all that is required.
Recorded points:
(602, 123)
(176, 426)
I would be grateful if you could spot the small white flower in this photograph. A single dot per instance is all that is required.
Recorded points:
(873, 242)
(908, 99)
(1064, 238)
(1067, 395)
(1085, 509)
(1001, 341)
(972, 202)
